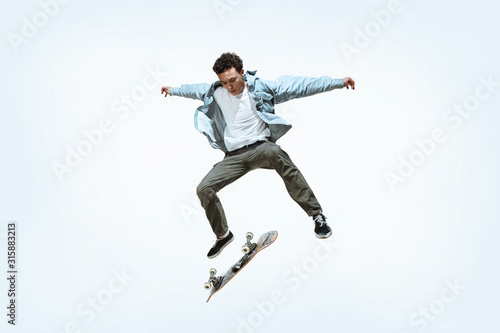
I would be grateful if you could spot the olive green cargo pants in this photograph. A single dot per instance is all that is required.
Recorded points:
(261, 154)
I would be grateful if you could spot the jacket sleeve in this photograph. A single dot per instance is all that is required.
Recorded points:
(194, 91)
(288, 87)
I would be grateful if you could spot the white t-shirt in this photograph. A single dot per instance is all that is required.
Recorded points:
(243, 124)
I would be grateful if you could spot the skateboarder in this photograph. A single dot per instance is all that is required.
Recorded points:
(238, 118)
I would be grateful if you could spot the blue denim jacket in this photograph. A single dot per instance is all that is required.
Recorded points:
(209, 120)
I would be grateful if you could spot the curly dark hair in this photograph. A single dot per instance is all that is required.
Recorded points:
(226, 61)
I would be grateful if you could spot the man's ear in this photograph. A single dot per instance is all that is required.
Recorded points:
(242, 71)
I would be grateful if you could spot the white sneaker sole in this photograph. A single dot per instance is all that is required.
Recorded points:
(324, 236)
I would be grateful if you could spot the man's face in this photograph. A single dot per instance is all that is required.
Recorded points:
(232, 81)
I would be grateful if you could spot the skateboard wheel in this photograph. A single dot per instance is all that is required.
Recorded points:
(207, 286)
(245, 249)
(213, 271)
(249, 234)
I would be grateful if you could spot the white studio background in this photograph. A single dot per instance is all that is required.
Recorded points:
(114, 239)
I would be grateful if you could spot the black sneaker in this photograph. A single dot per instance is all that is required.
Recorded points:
(321, 228)
(219, 245)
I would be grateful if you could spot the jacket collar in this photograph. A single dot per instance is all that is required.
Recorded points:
(252, 73)
(249, 77)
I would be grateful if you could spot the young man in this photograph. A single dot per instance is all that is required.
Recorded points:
(238, 118)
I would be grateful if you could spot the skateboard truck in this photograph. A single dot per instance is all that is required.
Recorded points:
(247, 247)
(212, 280)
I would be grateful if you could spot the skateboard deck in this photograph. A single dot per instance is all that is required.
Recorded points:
(215, 283)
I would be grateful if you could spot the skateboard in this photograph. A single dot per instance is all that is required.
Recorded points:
(250, 250)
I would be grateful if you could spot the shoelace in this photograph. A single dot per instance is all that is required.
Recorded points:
(321, 219)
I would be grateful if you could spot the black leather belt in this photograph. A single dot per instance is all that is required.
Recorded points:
(244, 148)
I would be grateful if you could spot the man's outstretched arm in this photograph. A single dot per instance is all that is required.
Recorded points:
(194, 91)
(289, 87)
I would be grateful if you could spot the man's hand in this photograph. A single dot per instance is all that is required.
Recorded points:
(166, 90)
(348, 82)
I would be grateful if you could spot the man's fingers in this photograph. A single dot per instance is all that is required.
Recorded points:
(350, 82)
(164, 90)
